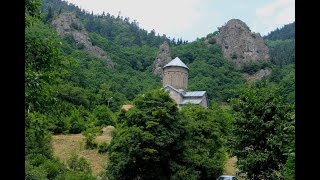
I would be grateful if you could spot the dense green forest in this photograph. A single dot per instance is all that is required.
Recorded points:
(69, 91)
(285, 32)
(282, 50)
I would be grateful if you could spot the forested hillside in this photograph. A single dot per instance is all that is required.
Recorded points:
(281, 43)
(69, 90)
(286, 32)
(140, 55)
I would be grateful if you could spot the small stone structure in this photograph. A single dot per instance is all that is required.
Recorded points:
(175, 80)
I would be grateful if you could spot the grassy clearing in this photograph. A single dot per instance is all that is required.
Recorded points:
(65, 145)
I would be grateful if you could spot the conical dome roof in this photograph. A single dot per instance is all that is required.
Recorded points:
(176, 62)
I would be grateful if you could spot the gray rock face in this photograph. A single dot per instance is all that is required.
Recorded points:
(258, 75)
(239, 44)
(162, 59)
(68, 23)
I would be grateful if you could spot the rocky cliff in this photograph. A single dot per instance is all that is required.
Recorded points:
(162, 59)
(239, 44)
(258, 75)
(69, 24)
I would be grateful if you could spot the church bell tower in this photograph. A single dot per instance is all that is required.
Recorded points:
(175, 74)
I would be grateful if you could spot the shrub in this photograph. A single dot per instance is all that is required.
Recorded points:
(93, 130)
(36, 159)
(34, 173)
(90, 142)
(77, 124)
(78, 164)
(252, 67)
(104, 115)
(59, 125)
(72, 175)
(289, 170)
(53, 168)
(37, 136)
(212, 40)
(103, 147)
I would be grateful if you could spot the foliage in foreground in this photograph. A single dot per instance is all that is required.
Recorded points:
(148, 142)
(204, 154)
(153, 140)
(263, 132)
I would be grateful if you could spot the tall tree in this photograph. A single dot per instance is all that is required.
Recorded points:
(148, 143)
(204, 153)
(263, 133)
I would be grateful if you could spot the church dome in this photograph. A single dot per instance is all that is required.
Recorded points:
(176, 62)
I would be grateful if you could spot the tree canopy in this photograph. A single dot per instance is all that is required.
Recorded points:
(263, 131)
(148, 142)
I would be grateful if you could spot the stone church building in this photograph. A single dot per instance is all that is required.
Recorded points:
(175, 80)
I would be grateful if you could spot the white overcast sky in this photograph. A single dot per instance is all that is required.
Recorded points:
(191, 19)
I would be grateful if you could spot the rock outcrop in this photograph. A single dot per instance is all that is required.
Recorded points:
(258, 75)
(162, 59)
(241, 45)
(69, 24)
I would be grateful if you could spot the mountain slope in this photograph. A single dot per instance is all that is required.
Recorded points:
(68, 26)
(286, 32)
(241, 45)
(118, 29)
(281, 43)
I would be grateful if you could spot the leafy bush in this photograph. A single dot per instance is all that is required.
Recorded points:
(36, 159)
(37, 137)
(252, 67)
(77, 124)
(53, 168)
(78, 169)
(104, 116)
(90, 142)
(103, 147)
(59, 125)
(34, 173)
(78, 175)
(289, 171)
(93, 130)
(78, 164)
